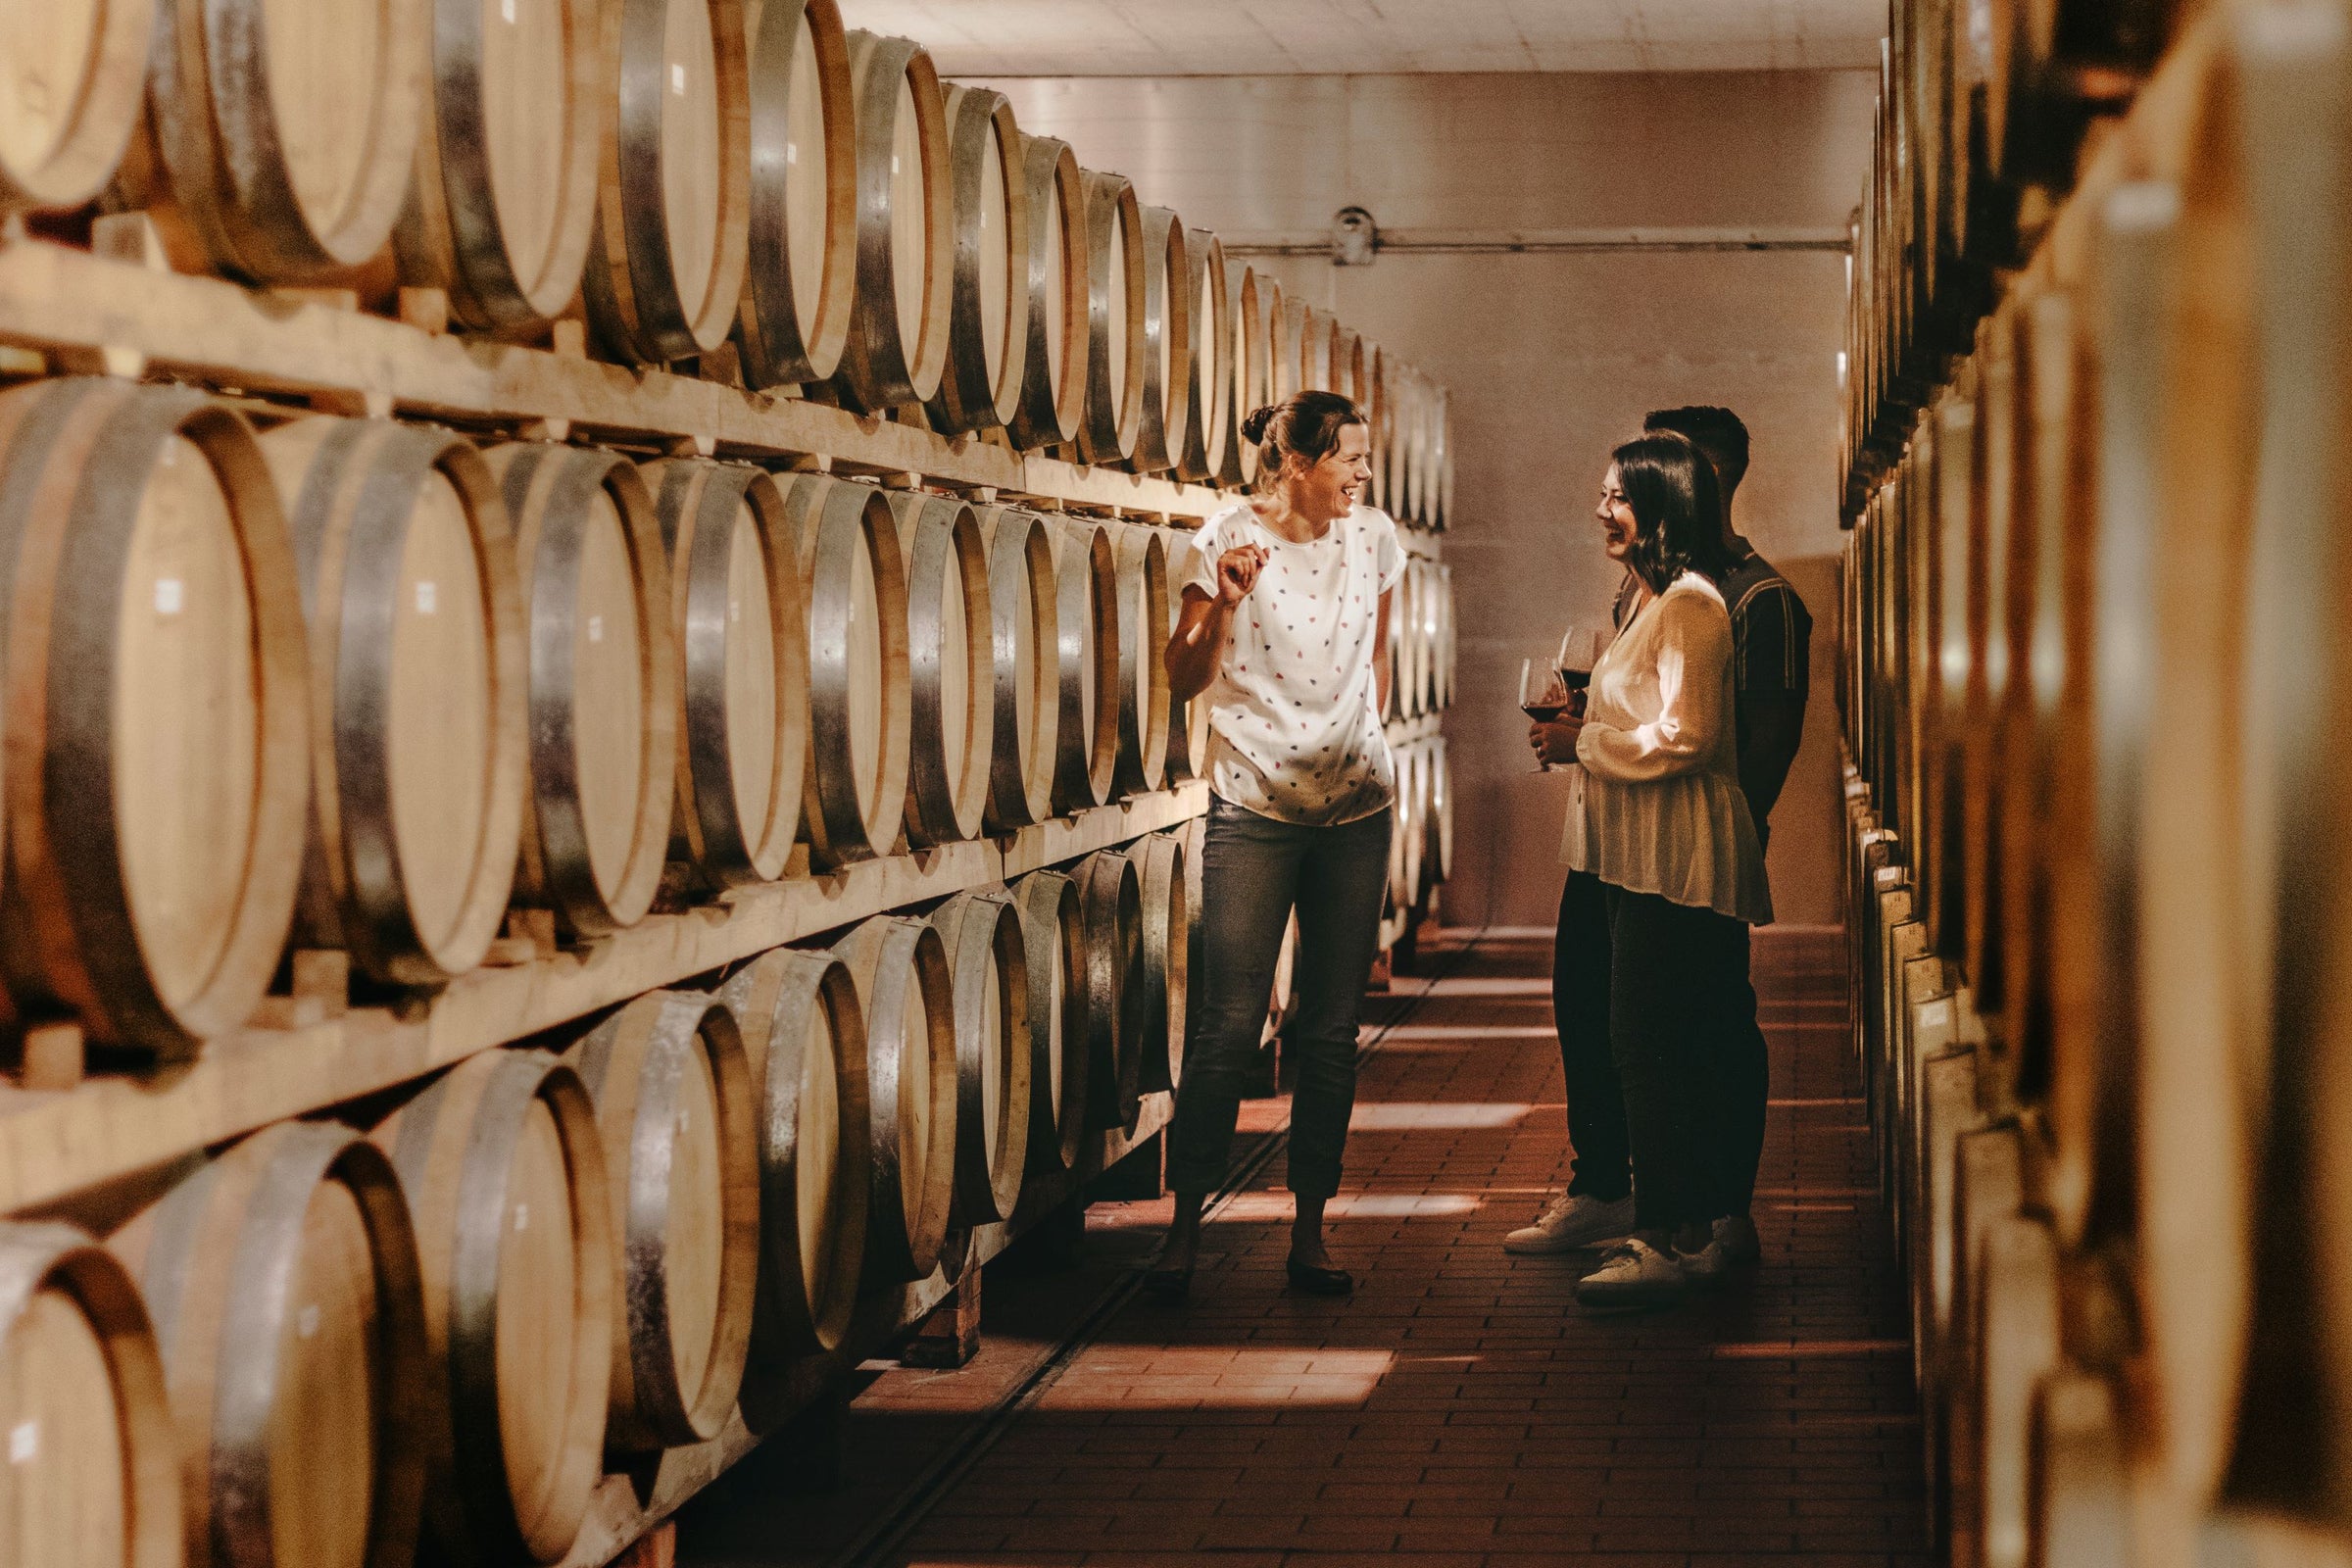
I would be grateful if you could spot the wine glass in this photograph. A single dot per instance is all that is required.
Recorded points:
(1581, 648)
(1543, 696)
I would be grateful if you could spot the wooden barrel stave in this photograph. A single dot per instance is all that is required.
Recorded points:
(503, 206)
(1209, 425)
(503, 1172)
(156, 869)
(1188, 723)
(418, 668)
(1116, 282)
(604, 683)
(1053, 946)
(1110, 898)
(987, 951)
(1024, 629)
(743, 704)
(854, 583)
(1166, 933)
(59, 145)
(1144, 625)
(899, 328)
(1167, 325)
(1255, 298)
(672, 1090)
(907, 994)
(94, 1474)
(988, 351)
(666, 271)
(804, 1041)
(1291, 350)
(283, 1282)
(792, 324)
(1052, 404)
(1088, 730)
(951, 661)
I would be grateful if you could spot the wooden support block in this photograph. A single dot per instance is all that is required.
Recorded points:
(425, 309)
(130, 237)
(694, 446)
(808, 462)
(900, 481)
(571, 339)
(723, 365)
(657, 1547)
(536, 927)
(320, 992)
(334, 299)
(1135, 1179)
(558, 431)
(51, 1057)
(15, 361)
(951, 1336)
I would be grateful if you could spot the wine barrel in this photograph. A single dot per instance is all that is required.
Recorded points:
(1987, 1185)
(1166, 938)
(1294, 349)
(1320, 350)
(283, 1282)
(673, 219)
(803, 1039)
(1348, 366)
(93, 1478)
(1115, 285)
(2080, 1476)
(1441, 488)
(418, 662)
(1024, 632)
(159, 684)
(1256, 304)
(1053, 943)
(1142, 680)
(1408, 828)
(1410, 669)
(1086, 744)
(286, 175)
(1436, 821)
(504, 201)
(951, 659)
(672, 1088)
(1994, 487)
(1053, 381)
(905, 219)
(854, 582)
(792, 324)
(1167, 343)
(1188, 723)
(2053, 69)
(2017, 1346)
(743, 666)
(504, 1173)
(988, 969)
(78, 94)
(1449, 651)
(604, 683)
(906, 993)
(1110, 898)
(1209, 426)
(988, 317)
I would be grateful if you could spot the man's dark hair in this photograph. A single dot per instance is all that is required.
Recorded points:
(1717, 432)
(1678, 510)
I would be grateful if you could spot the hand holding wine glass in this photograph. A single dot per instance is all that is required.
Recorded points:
(1545, 699)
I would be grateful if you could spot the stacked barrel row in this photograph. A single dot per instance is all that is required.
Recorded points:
(453, 1312)
(2093, 698)
(742, 186)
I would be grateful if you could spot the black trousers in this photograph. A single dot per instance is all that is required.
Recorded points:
(1666, 1069)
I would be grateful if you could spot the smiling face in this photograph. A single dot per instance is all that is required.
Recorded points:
(1331, 485)
(1617, 525)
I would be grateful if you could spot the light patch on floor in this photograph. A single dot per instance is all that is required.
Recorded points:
(1448, 1031)
(1479, 986)
(1401, 1117)
(1262, 1206)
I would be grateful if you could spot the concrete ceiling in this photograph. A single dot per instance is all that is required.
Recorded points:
(1315, 37)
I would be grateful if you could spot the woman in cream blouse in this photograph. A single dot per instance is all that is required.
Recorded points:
(1660, 821)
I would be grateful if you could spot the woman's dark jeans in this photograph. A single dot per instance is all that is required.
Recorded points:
(1253, 872)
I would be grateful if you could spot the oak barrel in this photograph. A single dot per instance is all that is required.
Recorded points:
(988, 318)
(988, 968)
(1209, 424)
(854, 579)
(283, 1282)
(159, 685)
(1167, 343)
(1437, 826)
(1188, 723)
(1294, 349)
(907, 996)
(93, 1473)
(501, 210)
(1319, 349)
(743, 666)
(1053, 381)
(1115, 285)
(672, 1087)
(673, 210)
(77, 95)
(604, 683)
(1256, 307)
(1145, 622)
(280, 140)
(503, 1172)
(951, 662)
(1110, 898)
(1347, 376)
(792, 324)
(1054, 943)
(417, 679)
(803, 1038)
(1086, 744)
(1024, 622)
(2016, 1324)
(1166, 938)
(905, 219)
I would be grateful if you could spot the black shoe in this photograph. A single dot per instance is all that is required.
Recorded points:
(1319, 1281)
(1168, 1284)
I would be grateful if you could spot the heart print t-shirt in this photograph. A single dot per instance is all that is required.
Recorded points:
(1294, 714)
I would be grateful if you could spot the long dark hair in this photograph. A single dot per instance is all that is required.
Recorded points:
(1304, 424)
(1677, 510)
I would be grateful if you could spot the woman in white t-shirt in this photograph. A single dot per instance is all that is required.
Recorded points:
(1284, 627)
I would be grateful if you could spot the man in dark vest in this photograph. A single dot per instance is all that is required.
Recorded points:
(1771, 635)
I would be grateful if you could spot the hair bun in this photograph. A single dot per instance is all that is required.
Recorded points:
(1253, 428)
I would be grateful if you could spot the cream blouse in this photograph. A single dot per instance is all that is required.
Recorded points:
(1659, 809)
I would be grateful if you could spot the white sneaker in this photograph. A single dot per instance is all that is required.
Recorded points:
(1569, 1222)
(1737, 1236)
(1712, 1265)
(1631, 1276)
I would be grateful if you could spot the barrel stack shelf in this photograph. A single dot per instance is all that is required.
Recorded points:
(2095, 487)
(590, 817)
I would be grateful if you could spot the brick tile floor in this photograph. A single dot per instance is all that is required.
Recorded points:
(1461, 1411)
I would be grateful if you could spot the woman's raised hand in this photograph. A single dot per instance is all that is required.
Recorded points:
(1237, 573)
